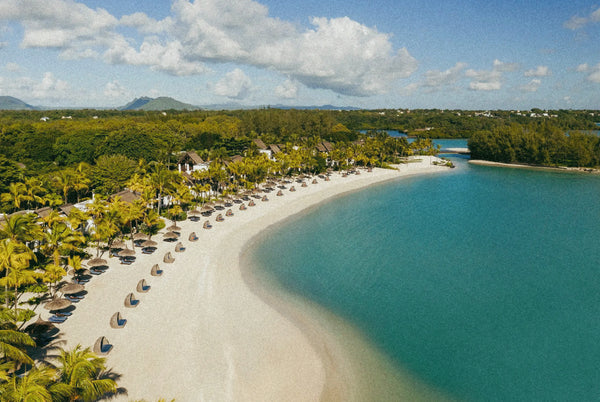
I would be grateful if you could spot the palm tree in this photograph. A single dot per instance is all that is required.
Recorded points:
(14, 258)
(64, 181)
(34, 190)
(130, 213)
(81, 372)
(12, 344)
(21, 228)
(17, 193)
(80, 178)
(16, 276)
(35, 386)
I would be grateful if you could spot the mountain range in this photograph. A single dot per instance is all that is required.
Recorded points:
(160, 103)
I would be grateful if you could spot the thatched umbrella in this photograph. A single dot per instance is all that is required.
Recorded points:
(149, 243)
(170, 236)
(72, 288)
(39, 327)
(126, 253)
(194, 212)
(57, 304)
(206, 208)
(117, 244)
(140, 236)
(97, 262)
(174, 228)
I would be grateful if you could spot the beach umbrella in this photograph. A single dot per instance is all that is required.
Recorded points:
(57, 304)
(72, 288)
(149, 243)
(97, 262)
(39, 327)
(170, 235)
(194, 212)
(117, 244)
(126, 253)
(206, 208)
(140, 236)
(174, 228)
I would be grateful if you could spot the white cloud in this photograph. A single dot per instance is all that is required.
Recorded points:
(288, 89)
(578, 22)
(532, 86)
(12, 67)
(489, 80)
(539, 71)
(114, 89)
(235, 85)
(50, 88)
(46, 89)
(337, 54)
(593, 72)
(436, 78)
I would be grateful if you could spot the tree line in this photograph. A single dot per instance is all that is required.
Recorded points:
(538, 144)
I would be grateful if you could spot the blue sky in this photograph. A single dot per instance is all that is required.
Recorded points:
(383, 53)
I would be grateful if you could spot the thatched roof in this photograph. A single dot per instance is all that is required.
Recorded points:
(260, 144)
(43, 212)
(65, 209)
(274, 148)
(126, 196)
(190, 156)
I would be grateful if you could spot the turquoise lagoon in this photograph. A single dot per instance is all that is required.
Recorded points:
(483, 283)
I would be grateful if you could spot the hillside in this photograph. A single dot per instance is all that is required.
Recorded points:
(10, 103)
(160, 103)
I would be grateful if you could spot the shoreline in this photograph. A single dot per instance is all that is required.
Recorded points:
(208, 329)
(565, 169)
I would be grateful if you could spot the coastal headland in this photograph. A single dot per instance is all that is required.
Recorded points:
(208, 330)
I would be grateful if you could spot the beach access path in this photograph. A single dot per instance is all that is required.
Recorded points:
(201, 333)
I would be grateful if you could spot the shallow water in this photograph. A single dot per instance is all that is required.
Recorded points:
(483, 282)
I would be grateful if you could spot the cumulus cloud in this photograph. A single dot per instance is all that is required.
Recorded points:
(489, 80)
(339, 54)
(288, 89)
(532, 86)
(539, 71)
(114, 89)
(46, 89)
(12, 67)
(593, 72)
(578, 22)
(436, 78)
(235, 85)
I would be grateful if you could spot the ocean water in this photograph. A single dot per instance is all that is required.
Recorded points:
(483, 283)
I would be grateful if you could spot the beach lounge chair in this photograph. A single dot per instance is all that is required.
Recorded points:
(327, 178)
(156, 271)
(56, 319)
(265, 198)
(292, 189)
(220, 218)
(207, 225)
(251, 203)
(116, 321)
(142, 286)
(179, 248)
(193, 237)
(102, 347)
(279, 193)
(229, 213)
(131, 301)
(314, 181)
(370, 169)
(168, 258)
(304, 184)
(242, 207)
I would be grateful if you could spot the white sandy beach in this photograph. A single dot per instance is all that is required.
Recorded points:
(201, 333)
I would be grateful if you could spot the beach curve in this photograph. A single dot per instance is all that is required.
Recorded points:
(204, 331)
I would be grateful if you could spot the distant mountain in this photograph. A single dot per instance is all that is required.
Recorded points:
(10, 103)
(237, 106)
(322, 107)
(160, 103)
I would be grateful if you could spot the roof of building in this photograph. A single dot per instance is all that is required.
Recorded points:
(190, 156)
(126, 196)
(259, 143)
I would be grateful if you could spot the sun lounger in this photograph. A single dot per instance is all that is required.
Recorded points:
(102, 347)
(265, 198)
(242, 207)
(142, 286)
(131, 301)
(116, 321)
(55, 319)
(229, 213)
(207, 225)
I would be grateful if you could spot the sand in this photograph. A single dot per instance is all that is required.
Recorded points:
(203, 332)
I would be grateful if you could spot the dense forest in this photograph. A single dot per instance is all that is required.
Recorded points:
(537, 143)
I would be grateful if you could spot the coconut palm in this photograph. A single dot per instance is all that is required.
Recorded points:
(17, 193)
(21, 228)
(81, 371)
(81, 180)
(34, 190)
(17, 275)
(35, 386)
(64, 181)
(14, 257)
(12, 345)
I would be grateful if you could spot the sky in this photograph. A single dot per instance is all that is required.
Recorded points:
(449, 54)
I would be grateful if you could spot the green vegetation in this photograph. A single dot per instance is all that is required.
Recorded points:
(538, 144)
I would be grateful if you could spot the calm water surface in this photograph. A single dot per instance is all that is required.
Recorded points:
(484, 282)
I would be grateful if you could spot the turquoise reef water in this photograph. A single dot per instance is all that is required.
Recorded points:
(483, 282)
